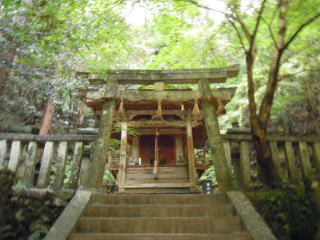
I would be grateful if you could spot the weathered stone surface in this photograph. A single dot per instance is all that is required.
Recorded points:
(305, 159)
(123, 155)
(214, 139)
(227, 150)
(3, 152)
(245, 164)
(76, 165)
(31, 160)
(293, 170)
(251, 219)
(61, 163)
(316, 152)
(191, 163)
(84, 172)
(101, 146)
(53, 138)
(168, 76)
(69, 217)
(165, 216)
(225, 94)
(46, 160)
(276, 160)
(15, 156)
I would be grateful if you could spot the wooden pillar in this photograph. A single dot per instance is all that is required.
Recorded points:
(191, 164)
(123, 155)
(135, 148)
(214, 139)
(99, 154)
(156, 154)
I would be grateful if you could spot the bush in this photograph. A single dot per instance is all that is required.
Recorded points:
(23, 216)
(290, 212)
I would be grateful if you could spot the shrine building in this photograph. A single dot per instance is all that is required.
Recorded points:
(163, 130)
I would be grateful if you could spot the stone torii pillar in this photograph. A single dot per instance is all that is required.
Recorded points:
(100, 148)
(214, 139)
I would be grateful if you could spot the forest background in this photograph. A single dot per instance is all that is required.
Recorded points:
(44, 43)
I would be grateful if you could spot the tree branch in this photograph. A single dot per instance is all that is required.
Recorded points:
(239, 35)
(193, 2)
(258, 20)
(283, 8)
(244, 27)
(300, 50)
(284, 76)
(270, 32)
(302, 26)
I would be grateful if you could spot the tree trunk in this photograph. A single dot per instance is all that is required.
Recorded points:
(258, 123)
(266, 168)
(313, 102)
(5, 68)
(47, 118)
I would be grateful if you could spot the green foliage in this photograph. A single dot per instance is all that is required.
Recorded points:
(52, 39)
(23, 217)
(108, 178)
(290, 212)
(209, 174)
(7, 232)
(41, 231)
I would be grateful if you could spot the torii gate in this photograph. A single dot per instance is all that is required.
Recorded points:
(211, 102)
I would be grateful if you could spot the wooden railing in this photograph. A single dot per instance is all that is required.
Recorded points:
(61, 161)
(295, 158)
(45, 161)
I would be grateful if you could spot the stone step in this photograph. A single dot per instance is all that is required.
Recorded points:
(168, 210)
(159, 190)
(158, 185)
(141, 181)
(172, 177)
(159, 198)
(160, 169)
(144, 225)
(104, 236)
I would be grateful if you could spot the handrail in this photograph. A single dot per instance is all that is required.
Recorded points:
(54, 138)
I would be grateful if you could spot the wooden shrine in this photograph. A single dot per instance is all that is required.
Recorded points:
(171, 126)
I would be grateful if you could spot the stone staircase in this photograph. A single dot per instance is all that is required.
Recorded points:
(159, 216)
(175, 178)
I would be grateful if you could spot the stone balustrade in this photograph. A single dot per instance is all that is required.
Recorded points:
(45, 161)
(295, 158)
(60, 162)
